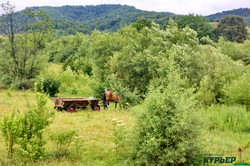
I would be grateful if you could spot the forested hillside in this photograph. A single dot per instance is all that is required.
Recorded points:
(243, 12)
(101, 17)
(85, 19)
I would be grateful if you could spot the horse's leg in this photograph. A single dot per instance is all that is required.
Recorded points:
(107, 104)
(115, 104)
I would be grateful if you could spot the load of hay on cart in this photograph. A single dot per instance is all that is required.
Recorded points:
(70, 104)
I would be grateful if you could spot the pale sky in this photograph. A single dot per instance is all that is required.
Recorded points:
(202, 7)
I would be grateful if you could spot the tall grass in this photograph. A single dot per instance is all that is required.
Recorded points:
(228, 118)
(225, 130)
(94, 130)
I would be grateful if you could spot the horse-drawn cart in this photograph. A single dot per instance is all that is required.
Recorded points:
(72, 103)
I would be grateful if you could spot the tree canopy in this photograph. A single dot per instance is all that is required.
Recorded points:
(233, 28)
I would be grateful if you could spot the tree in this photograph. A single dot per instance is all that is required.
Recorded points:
(233, 28)
(199, 24)
(21, 52)
(9, 28)
(141, 23)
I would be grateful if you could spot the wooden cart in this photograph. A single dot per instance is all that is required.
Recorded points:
(72, 103)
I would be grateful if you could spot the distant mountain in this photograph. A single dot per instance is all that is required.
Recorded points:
(100, 17)
(85, 19)
(243, 12)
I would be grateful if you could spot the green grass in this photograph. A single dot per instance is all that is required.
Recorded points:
(95, 131)
(226, 129)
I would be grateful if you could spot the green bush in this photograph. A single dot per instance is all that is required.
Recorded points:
(10, 127)
(167, 132)
(26, 130)
(6, 80)
(48, 85)
(63, 139)
(24, 84)
(205, 94)
(76, 84)
(238, 91)
(30, 139)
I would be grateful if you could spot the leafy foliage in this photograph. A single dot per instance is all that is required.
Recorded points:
(26, 130)
(237, 51)
(10, 127)
(199, 24)
(22, 56)
(238, 91)
(48, 85)
(141, 23)
(166, 132)
(233, 28)
(32, 124)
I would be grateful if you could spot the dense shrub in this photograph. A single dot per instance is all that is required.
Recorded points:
(77, 84)
(238, 91)
(30, 139)
(210, 71)
(167, 132)
(24, 84)
(10, 127)
(237, 51)
(26, 130)
(48, 85)
(6, 80)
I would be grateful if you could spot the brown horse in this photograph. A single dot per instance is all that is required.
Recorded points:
(109, 96)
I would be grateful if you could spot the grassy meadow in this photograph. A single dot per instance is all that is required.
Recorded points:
(95, 133)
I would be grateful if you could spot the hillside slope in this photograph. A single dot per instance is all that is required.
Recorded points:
(85, 19)
(243, 12)
(102, 17)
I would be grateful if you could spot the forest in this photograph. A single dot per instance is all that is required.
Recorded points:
(183, 86)
(68, 20)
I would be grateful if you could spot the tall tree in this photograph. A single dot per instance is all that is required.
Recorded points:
(9, 28)
(199, 24)
(233, 28)
(21, 52)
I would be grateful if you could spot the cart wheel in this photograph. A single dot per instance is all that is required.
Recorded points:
(71, 108)
(96, 108)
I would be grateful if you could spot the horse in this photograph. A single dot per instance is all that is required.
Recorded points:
(109, 96)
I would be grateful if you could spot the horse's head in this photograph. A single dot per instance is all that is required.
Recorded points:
(107, 96)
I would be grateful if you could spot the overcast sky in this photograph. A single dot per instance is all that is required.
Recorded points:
(203, 7)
